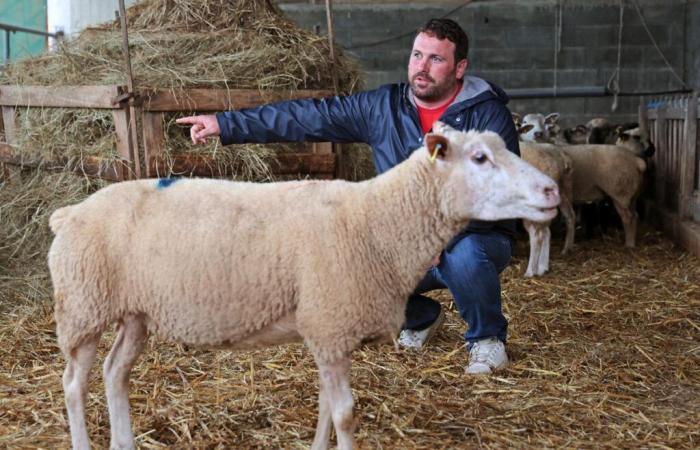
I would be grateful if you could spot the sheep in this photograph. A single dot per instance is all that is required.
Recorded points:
(213, 263)
(612, 170)
(541, 126)
(635, 140)
(556, 164)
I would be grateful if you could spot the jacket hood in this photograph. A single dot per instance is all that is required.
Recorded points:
(474, 90)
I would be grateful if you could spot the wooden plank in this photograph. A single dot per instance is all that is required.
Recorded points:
(100, 97)
(153, 137)
(322, 148)
(90, 166)
(660, 156)
(218, 99)
(287, 164)
(687, 161)
(9, 124)
(123, 135)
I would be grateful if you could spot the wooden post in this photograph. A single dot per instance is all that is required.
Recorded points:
(339, 169)
(662, 156)
(9, 124)
(153, 138)
(133, 140)
(121, 129)
(685, 207)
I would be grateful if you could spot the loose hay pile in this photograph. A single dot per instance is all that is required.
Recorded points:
(605, 354)
(176, 44)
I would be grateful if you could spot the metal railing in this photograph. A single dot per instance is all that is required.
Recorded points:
(7, 28)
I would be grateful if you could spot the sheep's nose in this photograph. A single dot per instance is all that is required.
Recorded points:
(538, 134)
(551, 193)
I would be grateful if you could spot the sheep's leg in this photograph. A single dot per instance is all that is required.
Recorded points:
(535, 247)
(335, 387)
(75, 386)
(543, 263)
(323, 427)
(629, 222)
(567, 211)
(130, 341)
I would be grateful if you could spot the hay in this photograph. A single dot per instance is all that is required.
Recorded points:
(604, 354)
(223, 44)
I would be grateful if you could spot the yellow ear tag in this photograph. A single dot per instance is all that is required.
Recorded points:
(433, 157)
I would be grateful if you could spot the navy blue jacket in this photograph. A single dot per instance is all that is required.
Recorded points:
(385, 118)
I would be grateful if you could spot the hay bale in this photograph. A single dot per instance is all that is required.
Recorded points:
(223, 44)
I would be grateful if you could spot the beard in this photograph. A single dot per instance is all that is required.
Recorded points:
(433, 91)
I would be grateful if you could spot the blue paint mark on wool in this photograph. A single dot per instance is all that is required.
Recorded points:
(165, 182)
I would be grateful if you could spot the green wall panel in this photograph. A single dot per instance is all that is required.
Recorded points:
(28, 14)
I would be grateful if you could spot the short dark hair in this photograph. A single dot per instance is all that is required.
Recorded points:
(450, 30)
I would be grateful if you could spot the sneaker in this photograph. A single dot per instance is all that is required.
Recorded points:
(416, 339)
(487, 356)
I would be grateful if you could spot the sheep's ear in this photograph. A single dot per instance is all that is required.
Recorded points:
(436, 145)
(621, 134)
(551, 119)
(525, 128)
(516, 118)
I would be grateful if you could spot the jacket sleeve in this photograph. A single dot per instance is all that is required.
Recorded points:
(336, 119)
(495, 116)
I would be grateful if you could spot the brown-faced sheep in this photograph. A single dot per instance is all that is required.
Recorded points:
(217, 263)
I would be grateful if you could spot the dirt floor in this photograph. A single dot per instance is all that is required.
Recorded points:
(605, 353)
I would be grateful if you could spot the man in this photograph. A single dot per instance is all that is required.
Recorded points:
(393, 120)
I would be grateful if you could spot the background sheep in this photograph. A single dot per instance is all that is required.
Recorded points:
(541, 126)
(557, 165)
(611, 170)
(217, 263)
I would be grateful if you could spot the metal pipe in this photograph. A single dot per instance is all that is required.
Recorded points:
(583, 91)
(7, 46)
(14, 28)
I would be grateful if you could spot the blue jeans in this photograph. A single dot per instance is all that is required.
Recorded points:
(470, 270)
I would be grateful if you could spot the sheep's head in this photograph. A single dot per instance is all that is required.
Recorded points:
(483, 180)
(637, 141)
(537, 127)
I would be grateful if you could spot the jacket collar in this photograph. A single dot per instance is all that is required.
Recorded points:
(474, 90)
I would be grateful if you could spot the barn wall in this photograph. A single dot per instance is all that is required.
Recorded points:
(72, 16)
(513, 42)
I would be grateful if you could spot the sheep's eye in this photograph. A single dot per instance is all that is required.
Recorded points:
(480, 158)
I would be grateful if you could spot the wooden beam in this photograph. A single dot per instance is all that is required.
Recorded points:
(286, 164)
(687, 166)
(660, 157)
(218, 99)
(91, 166)
(9, 124)
(153, 137)
(100, 97)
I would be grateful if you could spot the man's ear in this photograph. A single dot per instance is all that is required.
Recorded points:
(461, 67)
(436, 145)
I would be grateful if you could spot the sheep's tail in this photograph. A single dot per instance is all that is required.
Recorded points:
(58, 218)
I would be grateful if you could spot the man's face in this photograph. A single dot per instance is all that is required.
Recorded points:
(432, 72)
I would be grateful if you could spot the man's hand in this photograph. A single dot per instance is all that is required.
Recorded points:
(202, 127)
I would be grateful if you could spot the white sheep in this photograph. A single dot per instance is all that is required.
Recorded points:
(553, 162)
(611, 170)
(229, 264)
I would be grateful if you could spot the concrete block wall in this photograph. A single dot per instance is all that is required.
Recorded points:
(512, 43)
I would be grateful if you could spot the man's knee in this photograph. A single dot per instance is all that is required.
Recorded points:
(478, 252)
